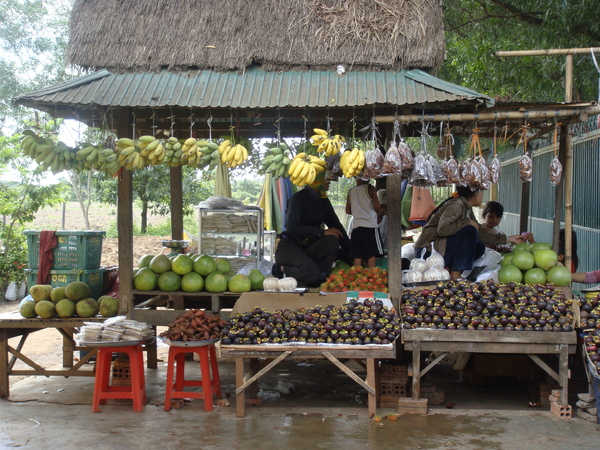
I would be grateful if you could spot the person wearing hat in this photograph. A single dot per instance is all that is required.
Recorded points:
(313, 236)
(456, 234)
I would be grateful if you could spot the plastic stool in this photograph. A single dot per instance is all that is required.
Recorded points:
(103, 390)
(210, 383)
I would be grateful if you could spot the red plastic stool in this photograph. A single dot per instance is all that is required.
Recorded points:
(103, 390)
(210, 382)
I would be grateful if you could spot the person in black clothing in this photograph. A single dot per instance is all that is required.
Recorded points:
(306, 250)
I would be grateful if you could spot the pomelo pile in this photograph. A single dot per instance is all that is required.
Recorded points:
(193, 273)
(67, 301)
(533, 264)
(357, 279)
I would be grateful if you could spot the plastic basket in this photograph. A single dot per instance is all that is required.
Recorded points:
(76, 249)
(93, 278)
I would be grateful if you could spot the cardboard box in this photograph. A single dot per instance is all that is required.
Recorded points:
(283, 300)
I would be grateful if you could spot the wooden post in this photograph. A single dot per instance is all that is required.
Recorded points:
(524, 214)
(394, 238)
(559, 191)
(125, 223)
(568, 175)
(176, 203)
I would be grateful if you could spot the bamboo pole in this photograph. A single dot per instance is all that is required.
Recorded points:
(496, 115)
(548, 52)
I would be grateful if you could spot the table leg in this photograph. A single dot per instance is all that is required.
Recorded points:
(68, 347)
(255, 366)
(563, 374)
(416, 357)
(372, 370)
(151, 354)
(4, 391)
(240, 398)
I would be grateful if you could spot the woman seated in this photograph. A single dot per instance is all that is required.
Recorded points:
(456, 234)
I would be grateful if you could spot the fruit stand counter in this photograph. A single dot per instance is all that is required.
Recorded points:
(246, 377)
(188, 300)
(14, 325)
(530, 343)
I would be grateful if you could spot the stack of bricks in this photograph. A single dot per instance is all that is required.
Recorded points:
(560, 410)
(545, 393)
(393, 384)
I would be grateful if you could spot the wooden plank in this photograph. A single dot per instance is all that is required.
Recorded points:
(416, 366)
(563, 374)
(372, 398)
(68, 345)
(240, 396)
(394, 234)
(433, 363)
(25, 359)
(489, 347)
(544, 366)
(70, 372)
(490, 336)
(350, 352)
(344, 368)
(261, 372)
(462, 361)
(4, 385)
(20, 345)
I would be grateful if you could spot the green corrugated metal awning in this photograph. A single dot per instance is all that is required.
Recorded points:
(254, 88)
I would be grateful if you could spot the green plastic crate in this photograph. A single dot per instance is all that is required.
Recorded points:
(76, 249)
(93, 278)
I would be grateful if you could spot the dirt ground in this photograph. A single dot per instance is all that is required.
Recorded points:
(45, 346)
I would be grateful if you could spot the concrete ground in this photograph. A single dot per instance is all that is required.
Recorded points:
(325, 410)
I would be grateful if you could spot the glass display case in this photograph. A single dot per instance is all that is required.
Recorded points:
(235, 234)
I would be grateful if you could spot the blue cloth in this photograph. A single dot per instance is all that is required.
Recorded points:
(463, 248)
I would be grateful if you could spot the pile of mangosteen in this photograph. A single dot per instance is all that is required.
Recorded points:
(354, 323)
(590, 312)
(487, 305)
(591, 341)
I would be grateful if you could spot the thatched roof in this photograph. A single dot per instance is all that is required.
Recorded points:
(225, 35)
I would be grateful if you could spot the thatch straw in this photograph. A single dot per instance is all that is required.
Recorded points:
(223, 35)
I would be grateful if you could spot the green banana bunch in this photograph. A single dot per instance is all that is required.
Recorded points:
(277, 159)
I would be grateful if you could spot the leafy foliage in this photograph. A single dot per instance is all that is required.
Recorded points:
(476, 29)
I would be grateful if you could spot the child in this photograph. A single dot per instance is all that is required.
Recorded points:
(364, 206)
(492, 215)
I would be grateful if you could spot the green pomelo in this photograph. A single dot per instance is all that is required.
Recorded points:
(340, 265)
(77, 290)
(507, 259)
(510, 273)
(40, 292)
(65, 308)
(524, 246)
(230, 274)
(109, 307)
(545, 259)
(169, 282)
(45, 309)
(560, 276)
(58, 294)
(87, 307)
(145, 261)
(27, 309)
(256, 279)
(182, 264)
(540, 246)
(523, 260)
(145, 280)
(205, 265)
(192, 282)
(216, 282)
(160, 264)
(535, 276)
(223, 265)
(240, 283)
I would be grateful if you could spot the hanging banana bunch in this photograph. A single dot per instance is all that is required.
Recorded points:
(277, 159)
(326, 144)
(352, 162)
(304, 169)
(232, 155)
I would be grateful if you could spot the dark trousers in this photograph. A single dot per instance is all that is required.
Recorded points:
(463, 248)
(308, 265)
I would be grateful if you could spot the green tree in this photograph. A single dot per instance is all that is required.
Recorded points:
(21, 196)
(247, 190)
(476, 29)
(151, 187)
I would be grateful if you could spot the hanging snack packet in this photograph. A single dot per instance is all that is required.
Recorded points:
(526, 168)
(392, 162)
(555, 171)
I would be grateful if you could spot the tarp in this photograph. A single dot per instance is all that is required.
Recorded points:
(222, 184)
(273, 200)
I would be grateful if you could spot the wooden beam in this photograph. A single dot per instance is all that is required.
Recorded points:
(176, 203)
(548, 52)
(493, 115)
(394, 238)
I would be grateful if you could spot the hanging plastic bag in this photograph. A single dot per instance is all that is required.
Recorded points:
(526, 168)
(373, 164)
(495, 167)
(555, 165)
(435, 260)
(406, 156)
(438, 172)
(392, 162)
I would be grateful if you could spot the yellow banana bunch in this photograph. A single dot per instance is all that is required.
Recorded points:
(304, 169)
(326, 144)
(172, 152)
(234, 156)
(277, 159)
(352, 162)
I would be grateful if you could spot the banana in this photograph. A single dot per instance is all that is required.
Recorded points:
(323, 146)
(317, 160)
(212, 146)
(153, 144)
(172, 140)
(127, 151)
(146, 138)
(223, 145)
(275, 151)
(125, 142)
(320, 131)
(312, 174)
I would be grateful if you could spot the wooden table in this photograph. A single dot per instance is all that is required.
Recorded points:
(530, 343)
(245, 379)
(14, 325)
(180, 300)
